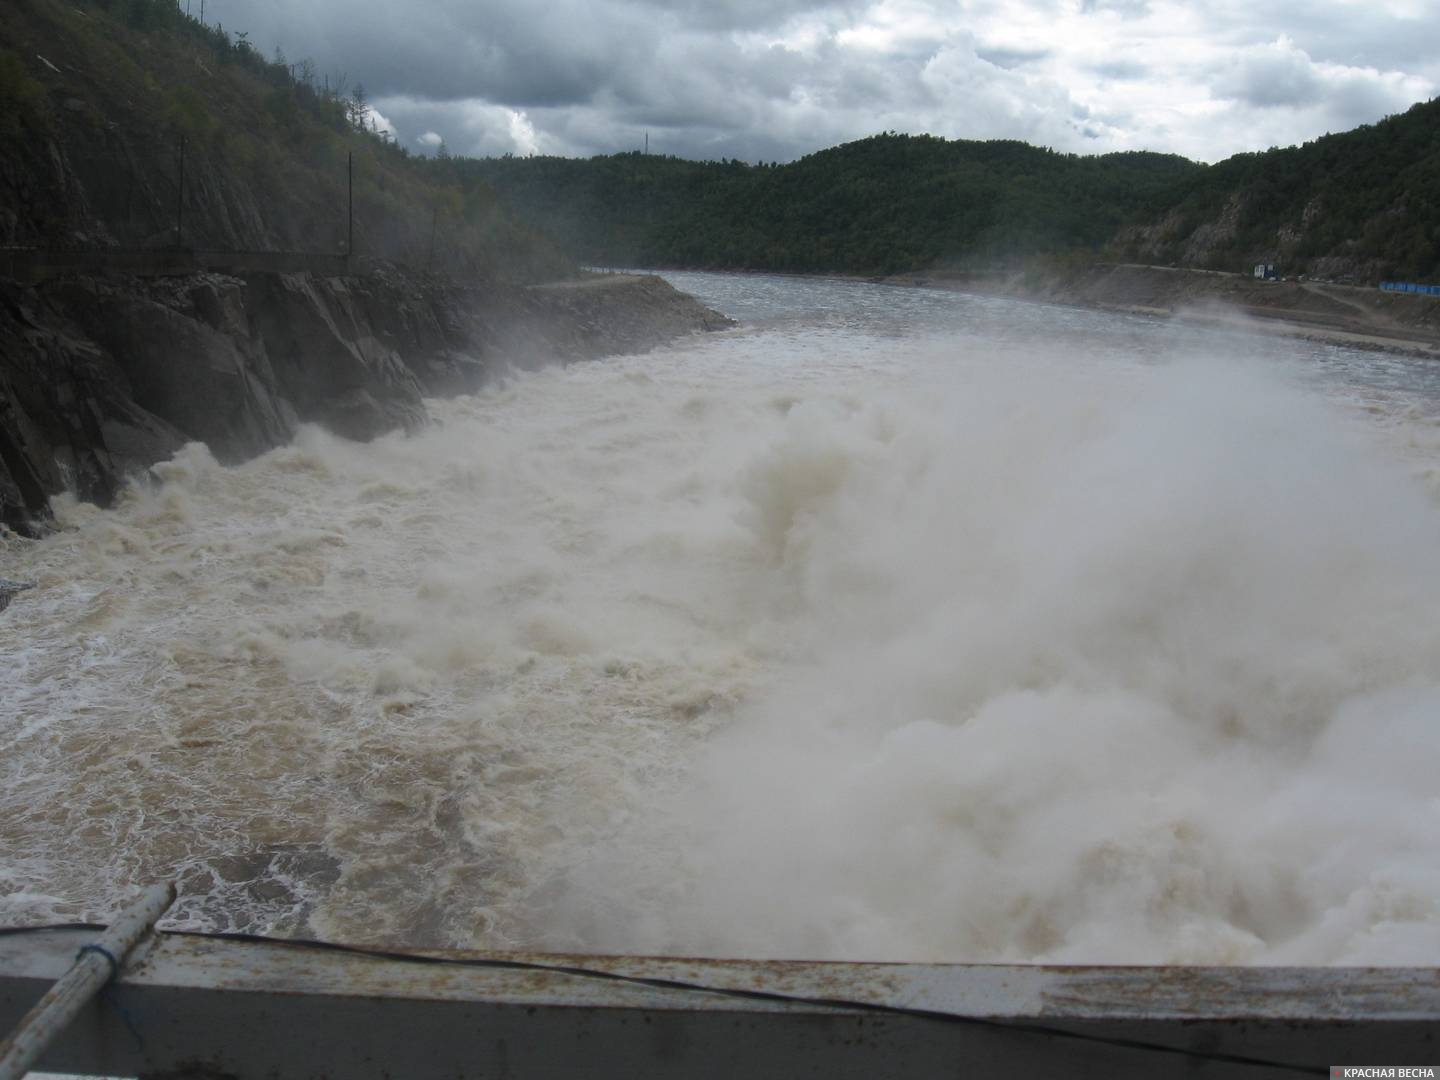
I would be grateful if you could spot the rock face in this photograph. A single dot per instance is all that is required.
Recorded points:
(101, 377)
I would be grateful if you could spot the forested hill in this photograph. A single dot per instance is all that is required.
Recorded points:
(1364, 204)
(97, 98)
(886, 204)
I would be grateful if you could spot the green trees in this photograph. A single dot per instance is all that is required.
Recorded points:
(1369, 197)
(886, 204)
(894, 203)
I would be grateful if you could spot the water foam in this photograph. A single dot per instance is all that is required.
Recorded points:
(795, 642)
(1083, 671)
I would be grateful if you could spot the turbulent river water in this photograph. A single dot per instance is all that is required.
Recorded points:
(896, 624)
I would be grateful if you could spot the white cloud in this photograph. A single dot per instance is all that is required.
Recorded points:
(1281, 75)
(471, 128)
(776, 79)
(522, 133)
(382, 124)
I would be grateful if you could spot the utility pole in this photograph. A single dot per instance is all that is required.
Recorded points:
(180, 195)
(350, 208)
(647, 144)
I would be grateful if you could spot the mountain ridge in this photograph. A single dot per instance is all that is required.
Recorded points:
(1361, 205)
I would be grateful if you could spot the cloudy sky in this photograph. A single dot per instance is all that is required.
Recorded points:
(776, 79)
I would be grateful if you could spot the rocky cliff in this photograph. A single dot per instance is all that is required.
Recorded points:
(1355, 207)
(100, 377)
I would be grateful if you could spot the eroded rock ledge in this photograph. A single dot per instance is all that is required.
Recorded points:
(101, 377)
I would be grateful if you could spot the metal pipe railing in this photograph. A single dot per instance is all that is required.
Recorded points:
(95, 965)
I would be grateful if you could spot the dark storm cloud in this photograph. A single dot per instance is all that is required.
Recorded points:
(776, 79)
(519, 53)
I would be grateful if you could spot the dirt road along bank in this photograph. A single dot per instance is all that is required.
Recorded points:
(1349, 314)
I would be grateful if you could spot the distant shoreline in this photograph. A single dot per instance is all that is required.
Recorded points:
(1353, 316)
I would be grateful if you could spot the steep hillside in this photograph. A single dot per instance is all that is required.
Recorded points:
(98, 96)
(1363, 204)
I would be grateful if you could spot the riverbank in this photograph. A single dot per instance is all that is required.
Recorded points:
(1356, 316)
(102, 376)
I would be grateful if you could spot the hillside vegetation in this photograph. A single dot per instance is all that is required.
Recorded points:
(1363, 204)
(96, 97)
(885, 204)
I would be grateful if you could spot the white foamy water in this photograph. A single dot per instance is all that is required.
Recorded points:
(895, 625)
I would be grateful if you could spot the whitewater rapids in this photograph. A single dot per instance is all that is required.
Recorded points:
(894, 626)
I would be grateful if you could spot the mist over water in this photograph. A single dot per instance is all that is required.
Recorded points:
(895, 625)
